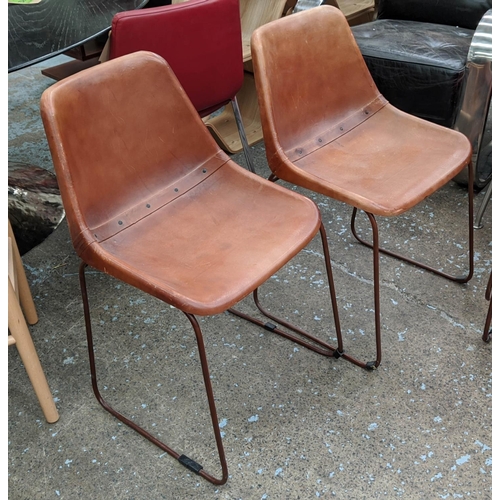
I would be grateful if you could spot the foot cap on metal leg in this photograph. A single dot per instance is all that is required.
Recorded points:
(190, 464)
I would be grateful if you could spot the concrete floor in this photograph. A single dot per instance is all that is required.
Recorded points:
(296, 425)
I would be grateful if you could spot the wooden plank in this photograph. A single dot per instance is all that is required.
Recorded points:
(223, 126)
(255, 13)
(69, 68)
(357, 11)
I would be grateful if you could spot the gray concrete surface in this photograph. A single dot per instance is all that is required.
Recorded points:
(296, 425)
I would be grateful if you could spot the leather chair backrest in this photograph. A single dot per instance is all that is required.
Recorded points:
(200, 40)
(149, 139)
(463, 13)
(306, 89)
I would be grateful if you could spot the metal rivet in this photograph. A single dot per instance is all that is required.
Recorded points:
(366, 112)
(320, 140)
(204, 170)
(176, 189)
(120, 222)
(299, 150)
(341, 128)
(148, 206)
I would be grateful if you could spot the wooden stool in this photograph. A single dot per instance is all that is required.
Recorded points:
(20, 300)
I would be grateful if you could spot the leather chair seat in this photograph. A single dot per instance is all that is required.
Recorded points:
(427, 67)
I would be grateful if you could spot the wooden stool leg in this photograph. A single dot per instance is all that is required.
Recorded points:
(24, 343)
(24, 292)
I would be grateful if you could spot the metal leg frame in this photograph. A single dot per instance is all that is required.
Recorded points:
(303, 338)
(243, 135)
(478, 224)
(458, 279)
(183, 459)
(377, 250)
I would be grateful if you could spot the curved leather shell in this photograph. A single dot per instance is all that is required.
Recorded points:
(327, 128)
(303, 107)
(464, 13)
(152, 200)
(200, 40)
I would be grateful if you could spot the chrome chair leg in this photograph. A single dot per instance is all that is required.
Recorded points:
(243, 136)
(482, 208)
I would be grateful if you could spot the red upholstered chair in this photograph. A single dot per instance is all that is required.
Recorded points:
(153, 201)
(201, 41)
(328, 129)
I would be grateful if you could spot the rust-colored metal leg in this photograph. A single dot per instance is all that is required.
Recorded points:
(376, 259)
(183, 459)
(300, 336)
(313, 343)
(376, 289)
(459, 279)
(487, 324)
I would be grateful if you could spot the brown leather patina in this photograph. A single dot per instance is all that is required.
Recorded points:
(327, 128)
(152, 200)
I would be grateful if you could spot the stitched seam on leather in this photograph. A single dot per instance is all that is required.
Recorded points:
(338, 130)
(159, 200)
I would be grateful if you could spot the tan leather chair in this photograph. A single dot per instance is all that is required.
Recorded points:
(22, 312)
(327, 128)
(153, 201)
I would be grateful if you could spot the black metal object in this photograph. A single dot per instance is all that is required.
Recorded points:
(487, 325)
(39, 31)
(190, 464)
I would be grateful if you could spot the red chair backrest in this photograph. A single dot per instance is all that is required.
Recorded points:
(200, 40)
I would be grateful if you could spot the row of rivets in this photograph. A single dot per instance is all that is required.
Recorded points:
(320, 140)
(120, 223)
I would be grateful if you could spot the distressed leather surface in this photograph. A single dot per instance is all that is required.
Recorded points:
(464, 13)
(200, 39)
(417, 51)
(418, 67)
(381, 160)
(152, 200)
